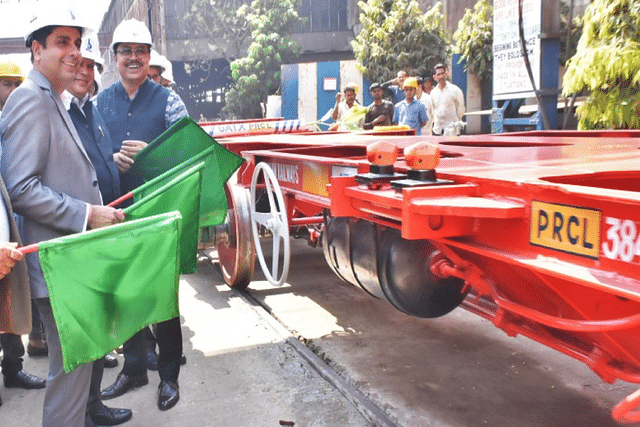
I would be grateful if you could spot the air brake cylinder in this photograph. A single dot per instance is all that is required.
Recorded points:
(382, 263)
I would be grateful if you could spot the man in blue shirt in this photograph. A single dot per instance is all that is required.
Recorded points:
(410, 112)
(136, 111)
(396, 86)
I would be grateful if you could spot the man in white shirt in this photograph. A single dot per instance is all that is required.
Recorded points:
(447, 102)
(342, 109)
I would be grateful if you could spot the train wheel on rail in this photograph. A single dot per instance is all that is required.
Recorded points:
(407, 281)
(236, 250)
(273, 217)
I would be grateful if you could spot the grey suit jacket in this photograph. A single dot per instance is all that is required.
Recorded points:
(48, 174)
(15, 296)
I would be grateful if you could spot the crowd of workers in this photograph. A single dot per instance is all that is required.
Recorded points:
(430, 106)
(67, 151)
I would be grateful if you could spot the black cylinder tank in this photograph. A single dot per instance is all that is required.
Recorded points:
(385, 265)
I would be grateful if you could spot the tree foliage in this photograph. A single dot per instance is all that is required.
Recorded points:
(574, 37)
(257, 74)
(395, 36)
(607, 66)
(474, 40)
(224, 22)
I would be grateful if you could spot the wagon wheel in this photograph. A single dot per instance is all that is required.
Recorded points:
(236, 251)
(275, 220)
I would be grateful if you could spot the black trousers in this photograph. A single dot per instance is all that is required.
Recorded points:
(169, 338)
(94, 403)
(12, 350)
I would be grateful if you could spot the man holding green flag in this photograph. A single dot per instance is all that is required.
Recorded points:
(136, 111)
(52, 182)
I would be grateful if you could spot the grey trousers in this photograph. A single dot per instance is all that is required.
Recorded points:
(65, 399)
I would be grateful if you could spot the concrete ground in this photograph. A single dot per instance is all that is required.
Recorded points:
(455, 371)
(239, 372)
(458, 370)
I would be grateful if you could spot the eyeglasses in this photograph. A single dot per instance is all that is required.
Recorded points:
(10, 83)
(139, 51)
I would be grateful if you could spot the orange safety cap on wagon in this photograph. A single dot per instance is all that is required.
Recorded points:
(382, 153)
(422, 156)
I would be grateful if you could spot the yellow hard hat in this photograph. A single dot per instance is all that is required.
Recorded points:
(410, 82)
(352, 86)
(9, 69)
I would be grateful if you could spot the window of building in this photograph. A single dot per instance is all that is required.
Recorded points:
(322, 16)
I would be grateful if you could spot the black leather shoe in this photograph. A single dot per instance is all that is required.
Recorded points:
(34, 351)
(123, 384)
(23, 379)
(168, 395)
(110, 360)
(152, 359)
(183, 359)
(105, 416)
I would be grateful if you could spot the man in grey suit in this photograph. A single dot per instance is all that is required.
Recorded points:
(52, 183)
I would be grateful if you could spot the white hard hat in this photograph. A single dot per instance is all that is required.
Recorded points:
(156, 60)
(47, 14)
(167, 74)
(131, 31)
(90, 48)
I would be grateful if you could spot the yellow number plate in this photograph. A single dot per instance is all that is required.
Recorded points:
(565, 228)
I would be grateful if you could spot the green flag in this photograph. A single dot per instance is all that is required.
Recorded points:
(107, 284)
(184, 140)
(181, 193)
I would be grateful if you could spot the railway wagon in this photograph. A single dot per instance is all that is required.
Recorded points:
(539, 232)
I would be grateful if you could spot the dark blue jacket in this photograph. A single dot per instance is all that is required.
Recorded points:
(141, 118)
(98, 145)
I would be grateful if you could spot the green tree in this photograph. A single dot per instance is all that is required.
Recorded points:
(257, 74)
(395, 36)
(474, 40)
(607, 66)
(224, 22)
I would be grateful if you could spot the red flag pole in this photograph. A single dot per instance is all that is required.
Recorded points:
(29, 248)
(121, 199)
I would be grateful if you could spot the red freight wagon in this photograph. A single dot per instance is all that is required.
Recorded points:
(538, 232)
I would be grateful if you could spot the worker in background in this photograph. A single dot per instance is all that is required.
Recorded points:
(156, 67)
(380, 111)
(166, 76)
(11, 344)
(396, 87)
(342, 108)
(410, 112)
(447, 102)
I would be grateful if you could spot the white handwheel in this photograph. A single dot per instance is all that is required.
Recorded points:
(275, 220)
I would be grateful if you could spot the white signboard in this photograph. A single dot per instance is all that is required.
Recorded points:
(510, 77)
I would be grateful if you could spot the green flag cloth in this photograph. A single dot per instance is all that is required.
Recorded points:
(181, 193)
(107, 284)
(181, 142)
